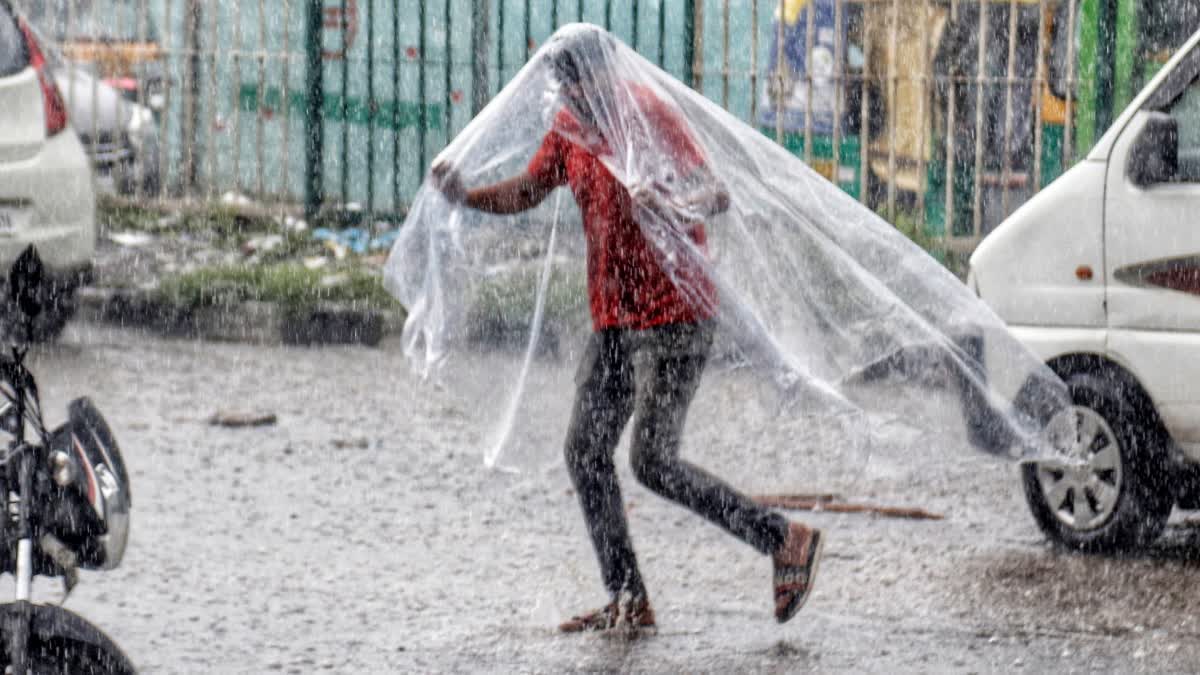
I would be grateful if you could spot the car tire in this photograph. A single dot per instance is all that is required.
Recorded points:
(1119, 496)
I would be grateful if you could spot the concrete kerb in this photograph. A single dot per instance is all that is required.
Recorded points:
(253, 322)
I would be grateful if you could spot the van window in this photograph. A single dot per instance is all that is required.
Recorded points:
(13, 58)
(1186, 111)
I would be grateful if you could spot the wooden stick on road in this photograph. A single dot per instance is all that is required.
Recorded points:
(833, 503)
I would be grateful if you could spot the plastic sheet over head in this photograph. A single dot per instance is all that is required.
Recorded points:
(836, 338)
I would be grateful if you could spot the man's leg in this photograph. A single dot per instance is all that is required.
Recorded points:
(669, 364)
(603, 405)
(670, 361)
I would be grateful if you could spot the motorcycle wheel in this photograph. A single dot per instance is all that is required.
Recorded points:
(63, 643)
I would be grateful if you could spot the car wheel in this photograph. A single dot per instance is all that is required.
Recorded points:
(1113, 490)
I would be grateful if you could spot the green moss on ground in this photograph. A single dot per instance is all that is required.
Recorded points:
(290, 285)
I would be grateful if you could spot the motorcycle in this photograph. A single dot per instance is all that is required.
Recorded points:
(67, 497)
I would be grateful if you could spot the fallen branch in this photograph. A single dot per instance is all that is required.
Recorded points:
(827, 502)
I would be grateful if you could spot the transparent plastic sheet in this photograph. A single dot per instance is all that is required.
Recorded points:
(837, 338)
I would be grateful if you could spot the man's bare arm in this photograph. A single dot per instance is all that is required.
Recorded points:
(513, 195)
(519, 193)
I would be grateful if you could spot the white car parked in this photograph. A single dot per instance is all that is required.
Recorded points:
(46, 195)
(1099, 274)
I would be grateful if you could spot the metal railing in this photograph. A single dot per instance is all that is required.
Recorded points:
(943, 114)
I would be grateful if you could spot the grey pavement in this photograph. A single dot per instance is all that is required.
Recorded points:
(362, 534)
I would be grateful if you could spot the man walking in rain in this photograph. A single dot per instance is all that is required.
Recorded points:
(652, 328)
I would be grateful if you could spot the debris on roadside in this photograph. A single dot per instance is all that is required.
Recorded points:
(201, 267)
(355, 240)
(236, 199)
(239, 419)
(264, 244)
(132, 239)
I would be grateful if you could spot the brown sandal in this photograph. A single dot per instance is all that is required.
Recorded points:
(796, 565)
(632, 614)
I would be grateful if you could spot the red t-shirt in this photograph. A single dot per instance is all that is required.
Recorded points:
(627, 287)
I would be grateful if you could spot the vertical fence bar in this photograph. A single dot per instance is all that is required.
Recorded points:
(447, 74)
(754, 62)
(578, 9)
(662, 33)
(314, 113)
(1126, 43)
(607, 14)
(481, 22)
(119, 20)
(142, 19)
(809, 38)
(189, 127)
(260, 186)
(1069, 118)
(635, 15)
(95, 88)
(237, 107)
(422, 55)
(924, 114)
(394, 123)
(689, 43)
(951, 127)
(864, 123)
(697, 40)
(499, 42)
(553, 15)
(344, 105)
(371, 107)
(980, 77)
(1107, 63)
(528, 27)
(1010, 73)
(1038, 89)
(893, 89)
(211, 133)
(839, 63)
(780, 78)
(286, 102)
(725, 54)
(170, 48)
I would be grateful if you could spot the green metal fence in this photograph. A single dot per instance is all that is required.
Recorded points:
(948, 113)
(346, 101)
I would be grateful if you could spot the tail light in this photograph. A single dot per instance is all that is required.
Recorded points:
(52, 100)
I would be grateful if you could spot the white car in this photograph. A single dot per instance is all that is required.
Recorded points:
(46, 194)
(1099, 274)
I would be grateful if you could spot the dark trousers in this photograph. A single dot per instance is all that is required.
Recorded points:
(650, 375)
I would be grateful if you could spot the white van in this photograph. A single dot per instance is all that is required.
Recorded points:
(1099, 274)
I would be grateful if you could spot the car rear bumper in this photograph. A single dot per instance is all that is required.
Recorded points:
(51, 205)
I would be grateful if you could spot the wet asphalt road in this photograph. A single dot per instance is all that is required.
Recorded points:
(362, 534)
